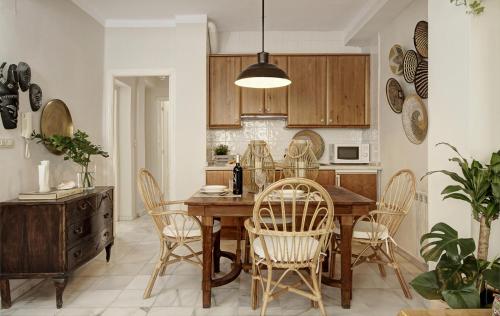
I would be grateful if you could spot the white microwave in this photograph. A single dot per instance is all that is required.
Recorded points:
(350, 153)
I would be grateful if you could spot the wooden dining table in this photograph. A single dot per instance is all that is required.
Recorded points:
(348, 206)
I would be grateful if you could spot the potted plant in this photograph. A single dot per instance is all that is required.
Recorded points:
(480, 187)
(459, 278)
(78, 149)
(221, 156)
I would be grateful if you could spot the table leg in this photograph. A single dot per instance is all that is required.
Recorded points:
(60, 285)
(5, 293)
(346, 253)
(208, 222)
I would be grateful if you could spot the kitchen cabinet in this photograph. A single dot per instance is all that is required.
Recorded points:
(264, 101)
(307, 93)
(348, 90)
(224, 110)
(361, 183)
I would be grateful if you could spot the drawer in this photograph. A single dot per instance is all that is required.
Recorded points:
(105, 202)
(81, 209)
(88, 227)
(89, 248)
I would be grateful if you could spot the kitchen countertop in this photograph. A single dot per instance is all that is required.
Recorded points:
(339, 167)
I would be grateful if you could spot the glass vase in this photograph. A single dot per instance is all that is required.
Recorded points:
(86, 178)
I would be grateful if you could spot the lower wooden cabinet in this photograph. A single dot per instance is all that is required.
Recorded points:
(361, 183)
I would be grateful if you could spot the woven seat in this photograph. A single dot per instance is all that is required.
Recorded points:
(364, 230)
(185, 230)
(290, 244)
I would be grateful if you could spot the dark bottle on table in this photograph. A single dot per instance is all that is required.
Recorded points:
(237, 177)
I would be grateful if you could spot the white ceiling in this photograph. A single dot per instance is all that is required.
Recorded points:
(237, 15)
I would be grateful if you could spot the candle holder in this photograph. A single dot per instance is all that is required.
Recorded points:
(300, 161)
(256, 160)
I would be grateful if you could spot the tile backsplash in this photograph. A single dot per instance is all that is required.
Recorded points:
(275, 133)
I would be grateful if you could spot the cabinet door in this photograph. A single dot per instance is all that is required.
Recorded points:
(348, 91)
(307, 93)
(252, 100)
(364, 184)
(218, 177)
(276, 98)
(224, 95)
(326, 177)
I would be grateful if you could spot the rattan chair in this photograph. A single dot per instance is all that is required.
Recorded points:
(376, 230)
(298, 247)
(175, 229)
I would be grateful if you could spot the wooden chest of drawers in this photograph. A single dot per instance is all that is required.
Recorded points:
(50, 239)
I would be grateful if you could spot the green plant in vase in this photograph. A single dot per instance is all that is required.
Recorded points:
(78, 149)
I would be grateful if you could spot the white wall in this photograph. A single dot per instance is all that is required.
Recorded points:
(396, 151)
(182, 50)
(64, 48)
(463, 103)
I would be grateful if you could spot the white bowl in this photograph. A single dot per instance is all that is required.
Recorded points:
(289, 193)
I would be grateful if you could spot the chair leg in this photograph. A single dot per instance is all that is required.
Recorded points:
(246, 243)
(217, 252)
(381, 266)
(332, 257)
(399, 274)
(164, 253)
(254, 290)
(316, 280)
(267, 292)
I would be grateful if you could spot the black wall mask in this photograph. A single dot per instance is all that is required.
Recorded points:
(9, 97)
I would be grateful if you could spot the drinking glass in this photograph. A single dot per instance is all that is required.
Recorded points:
(260, 179)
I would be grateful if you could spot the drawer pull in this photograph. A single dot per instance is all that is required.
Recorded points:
(106, 216)
(78, 230)
(77, 254)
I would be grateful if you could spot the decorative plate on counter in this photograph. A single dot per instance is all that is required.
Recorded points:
(318, 144)
(420, 38)
(396, 55)
(415, 120)
(395, 95)
(410, 63)
(56, 120)
(421, 77)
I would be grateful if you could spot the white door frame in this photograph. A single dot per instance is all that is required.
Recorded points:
(110, 126)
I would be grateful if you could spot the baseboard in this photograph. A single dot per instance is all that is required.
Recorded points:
(417, 262)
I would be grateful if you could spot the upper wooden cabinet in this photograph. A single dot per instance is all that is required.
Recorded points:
(264, 101)
(348, 91)
(327, 91)
(224, 98)
(307, 93)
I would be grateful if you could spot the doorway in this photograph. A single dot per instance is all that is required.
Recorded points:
(141, 105)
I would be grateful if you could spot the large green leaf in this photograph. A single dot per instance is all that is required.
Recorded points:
(443, 238)
(426, 284)
(466, 297)
(448, 272)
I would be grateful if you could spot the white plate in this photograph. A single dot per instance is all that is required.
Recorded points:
(213, 188)
(289, 194)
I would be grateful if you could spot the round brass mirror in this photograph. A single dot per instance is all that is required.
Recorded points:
(56, 120)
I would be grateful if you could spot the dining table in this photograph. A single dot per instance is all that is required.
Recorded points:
(348, 207)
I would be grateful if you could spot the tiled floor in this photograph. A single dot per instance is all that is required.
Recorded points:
(116, 288)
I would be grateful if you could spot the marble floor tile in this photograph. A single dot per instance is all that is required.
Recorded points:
(132, 298)
(174, 311)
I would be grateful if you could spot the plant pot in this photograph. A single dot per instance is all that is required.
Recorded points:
(222, 160)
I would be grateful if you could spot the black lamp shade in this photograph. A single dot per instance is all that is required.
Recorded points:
(263, 75)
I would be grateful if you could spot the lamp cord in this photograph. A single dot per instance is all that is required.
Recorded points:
(262, 25)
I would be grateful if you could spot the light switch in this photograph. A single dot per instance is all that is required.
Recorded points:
(6, 142)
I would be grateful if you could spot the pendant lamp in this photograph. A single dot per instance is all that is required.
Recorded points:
(263, 74)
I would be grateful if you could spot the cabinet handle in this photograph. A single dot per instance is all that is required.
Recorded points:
(330, 120)
(337, 180)
(322, 120)
(268, 110)
(78, 230)
(106, 216)
(260, 110)
(77, 254)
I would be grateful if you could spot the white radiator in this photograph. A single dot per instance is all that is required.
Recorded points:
(420, 209)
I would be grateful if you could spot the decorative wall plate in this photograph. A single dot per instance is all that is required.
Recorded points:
(415, 120)
(420, 38)
(421, 77)
(35, 97)
(24, 76)
(410, 62)
(56, 120)
(396, 55)
(318, 144)
(395, 95)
